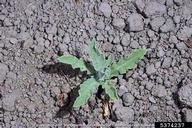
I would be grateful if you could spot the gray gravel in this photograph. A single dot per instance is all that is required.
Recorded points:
(188, 114)
(150, 69)
(184, 33)
(154, 8)
(125, 40)
(4, 69)
(118, 23)
(168, 26)
(156, 23)
(9, 100)
(135, 23)
(185, 94)
(33, 86)
(105, 8)
(128, 99)
(159, 91)
(167, 62)
(125, 114)
(140, 4)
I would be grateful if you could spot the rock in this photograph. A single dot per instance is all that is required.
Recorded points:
(167, 62)
(56, 90)
(13, 40)
(27, 43)
(24, 28)
(125, 40)
(134, 44)
(152, 100)
(12, 75)
(115, 9)
(1, 56)
(118, 23)
(187, 12)
(122, 89)
(176, 19)
(50, 37)
(162, 2)
(38, 49)
(150, 33)
(122, 82)
(181, 46)
(149, 86)
(128, 99)
(100, 25)
(105, 8)
(168, 26)
(116, 40)
(45, 19)
(38, 81)
(169, 2)
(160, 52)
(125, 114)
(30, 107)
(3, 1)
(159, 91)
(7, 22)
(3, 71)
(184, 33)
(178, 2)
(185, 94)
(51, 29)
(170, 11)
(47, 43)
(66, 39)
(154, 8)
(140, 5)
(119, 48)
(92, 101)
(156, 23)
(187, 114)
(49, 115)
(150, 69)
(2, 17)
(100, 37)
(107, 46)
(63, 47)
(153, 108)
(9, 100)
(40, 41)
(24, 36)
(135, 23)
(117, 104)
(173, 39)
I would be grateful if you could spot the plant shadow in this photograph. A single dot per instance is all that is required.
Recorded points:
(68, 107)
(65, 70)
(60, 69)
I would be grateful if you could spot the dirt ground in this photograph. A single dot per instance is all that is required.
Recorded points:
(37, 91)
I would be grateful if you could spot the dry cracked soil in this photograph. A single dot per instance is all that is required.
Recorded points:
(37, 91)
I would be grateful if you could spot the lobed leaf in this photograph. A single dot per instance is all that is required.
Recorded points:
(108, 61)
(98, 60)
(110, 90)
(130, 62)
(73, 61)
(86, 89)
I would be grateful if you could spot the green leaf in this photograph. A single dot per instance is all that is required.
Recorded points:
(110, 90)
(109, 61)
(107, 72)
(98, 60)
(86, 89)
(130, 62)
(73, 61)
